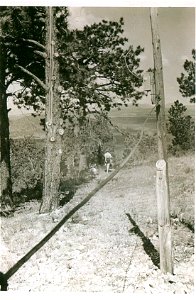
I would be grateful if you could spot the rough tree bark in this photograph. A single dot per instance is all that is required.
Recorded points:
(5, 166)
(53, 148)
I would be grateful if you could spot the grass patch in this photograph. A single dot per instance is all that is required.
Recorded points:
(182, 180)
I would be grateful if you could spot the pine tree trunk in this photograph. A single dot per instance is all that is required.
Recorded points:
(53, 148)
(5, 166)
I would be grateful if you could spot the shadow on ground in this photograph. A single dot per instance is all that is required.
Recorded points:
(147, 244)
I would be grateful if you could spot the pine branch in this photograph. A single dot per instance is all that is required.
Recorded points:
(10, 94)
(42, 54)
(35, 43)
(10, 81)
(43, 85)
(123, 132)
(10, 44)
(16, 92)
(105, 84)
(103, 95)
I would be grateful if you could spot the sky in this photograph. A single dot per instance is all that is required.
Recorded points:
(176, 29)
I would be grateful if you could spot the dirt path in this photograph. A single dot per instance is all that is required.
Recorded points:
(98, 250)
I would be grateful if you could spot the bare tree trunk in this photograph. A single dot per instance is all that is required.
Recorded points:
(53, 148)
(5, 166)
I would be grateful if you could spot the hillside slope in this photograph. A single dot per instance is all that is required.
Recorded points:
(111, 244)
(25, 126)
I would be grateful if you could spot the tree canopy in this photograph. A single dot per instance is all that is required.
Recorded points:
(187, 81)
(98, 68)
(104, 73)
(181, 126)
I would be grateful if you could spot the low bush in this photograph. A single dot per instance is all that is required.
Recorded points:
(146, 149)
(27, 160)
(182, 129)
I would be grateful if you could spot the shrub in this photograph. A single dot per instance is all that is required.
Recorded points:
(27, 159)
(145, 150)
(85, 145)
(181, 127)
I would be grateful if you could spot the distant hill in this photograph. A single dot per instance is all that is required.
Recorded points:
(144, 109)
(130, 117)
(25, 126)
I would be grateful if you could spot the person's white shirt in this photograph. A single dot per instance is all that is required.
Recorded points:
(107, 155)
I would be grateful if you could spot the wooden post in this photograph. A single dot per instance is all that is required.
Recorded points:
(159, 86)
(163, 218)
(165, 231)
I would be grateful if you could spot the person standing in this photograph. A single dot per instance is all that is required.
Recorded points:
(108, 158)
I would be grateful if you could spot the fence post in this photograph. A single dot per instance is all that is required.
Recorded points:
(164, 226)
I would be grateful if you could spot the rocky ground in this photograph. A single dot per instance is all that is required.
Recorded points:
(110, 245)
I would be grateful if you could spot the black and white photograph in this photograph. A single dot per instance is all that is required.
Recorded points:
(97, 164)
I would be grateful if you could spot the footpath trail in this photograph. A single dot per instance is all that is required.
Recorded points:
(99, 249)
